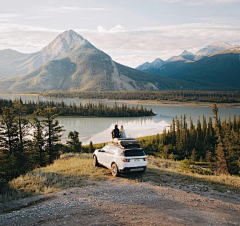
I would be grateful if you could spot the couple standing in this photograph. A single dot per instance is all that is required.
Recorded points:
(116, 133)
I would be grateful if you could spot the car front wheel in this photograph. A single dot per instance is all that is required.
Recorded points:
(95, 161)
(115, 171)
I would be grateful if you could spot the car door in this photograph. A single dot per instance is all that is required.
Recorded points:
(101, 156)
(106, 156)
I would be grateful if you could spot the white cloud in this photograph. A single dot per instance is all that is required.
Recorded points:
(72, 9)
(101, 29)
(118, 28)
(25, 38)
(127, 46)
(198, 2)
(220, 20)
(8, 17)
(124, 45)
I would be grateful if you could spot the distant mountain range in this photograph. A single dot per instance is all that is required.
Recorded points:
(70, 62)
(215, 67)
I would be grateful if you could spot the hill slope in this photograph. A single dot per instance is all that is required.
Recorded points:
(64, 43)
(220, 71)
(216, 67)
(7, 55)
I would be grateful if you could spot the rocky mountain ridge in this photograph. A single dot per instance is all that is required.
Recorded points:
(70, 62)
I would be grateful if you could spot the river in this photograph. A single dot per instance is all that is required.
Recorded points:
(98, 130)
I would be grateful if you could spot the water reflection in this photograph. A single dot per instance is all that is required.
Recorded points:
(99, 129)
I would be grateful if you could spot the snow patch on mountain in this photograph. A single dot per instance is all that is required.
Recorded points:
(213, 48)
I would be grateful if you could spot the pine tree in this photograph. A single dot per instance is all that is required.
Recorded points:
(74, 143)
(39, 139)
(53, 133)
(215, 113)
(173, 130)
(221, 163)
(221, 158)
(193, 155)
(9, 131)
(208, 156)
(91, 149)
(23, 131)
(165, 152)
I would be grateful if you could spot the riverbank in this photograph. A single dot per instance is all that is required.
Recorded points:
(232, 99)
(173, 103)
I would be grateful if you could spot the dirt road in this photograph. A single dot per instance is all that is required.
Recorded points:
(124, 202)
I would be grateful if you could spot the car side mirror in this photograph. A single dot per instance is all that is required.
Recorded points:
(101, 150)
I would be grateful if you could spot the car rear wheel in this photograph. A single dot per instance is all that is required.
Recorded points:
(95, 161)
(115, 171)
(143, 171)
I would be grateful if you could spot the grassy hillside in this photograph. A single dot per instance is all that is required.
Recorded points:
(73, 170)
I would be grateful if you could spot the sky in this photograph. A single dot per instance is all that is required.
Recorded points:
(130, 31)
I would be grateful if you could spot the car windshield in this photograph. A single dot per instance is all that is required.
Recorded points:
(130, 153)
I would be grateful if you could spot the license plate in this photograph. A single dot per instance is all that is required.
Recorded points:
(138, 169)
(136, 160)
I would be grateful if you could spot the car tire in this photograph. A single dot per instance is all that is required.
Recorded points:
(95, 161)
(143, 171)
(115, 171)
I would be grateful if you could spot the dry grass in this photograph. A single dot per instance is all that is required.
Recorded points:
(74, 170)
(71, 170)
(162, 167)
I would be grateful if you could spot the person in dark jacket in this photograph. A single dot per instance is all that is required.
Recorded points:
(115, 132)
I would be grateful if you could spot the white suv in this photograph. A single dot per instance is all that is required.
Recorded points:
(121, 156)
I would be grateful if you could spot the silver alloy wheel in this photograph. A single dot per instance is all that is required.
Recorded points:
(114, 169)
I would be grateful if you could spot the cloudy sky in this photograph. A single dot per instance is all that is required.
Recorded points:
(131, 31)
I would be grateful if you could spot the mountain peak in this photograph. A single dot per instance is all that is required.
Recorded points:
(221, 44)
(158, 60)
(213, 48)
(71, 33)
(143, 66)
(10, 54)
(63, 43)
(68, 37)
(185, 52)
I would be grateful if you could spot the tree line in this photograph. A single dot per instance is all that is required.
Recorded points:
(89, 109)
(215, 142)
(28, 142)
(180, 96)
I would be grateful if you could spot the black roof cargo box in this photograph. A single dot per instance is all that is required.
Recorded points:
(126, 142)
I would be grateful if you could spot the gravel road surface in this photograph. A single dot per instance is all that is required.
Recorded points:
(122, 202)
